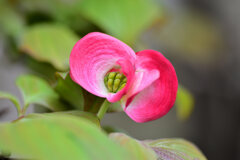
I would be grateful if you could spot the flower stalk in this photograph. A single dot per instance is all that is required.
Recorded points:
(103, 109)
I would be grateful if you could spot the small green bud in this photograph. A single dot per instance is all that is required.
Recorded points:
(119, 76)
(112, 75)
(116, 84)
(115, 81)
(124, 80)
(121, 87)
(105, 80)
(110, 85)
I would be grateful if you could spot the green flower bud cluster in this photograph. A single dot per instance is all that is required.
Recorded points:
(115, 81)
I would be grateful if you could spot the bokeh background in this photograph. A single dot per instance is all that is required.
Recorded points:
(200, 37)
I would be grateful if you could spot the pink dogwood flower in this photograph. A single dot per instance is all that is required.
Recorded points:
(145, 82)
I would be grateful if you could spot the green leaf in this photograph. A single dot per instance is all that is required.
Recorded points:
(11, 22)
(177, 149)
(61, 75)
(37, 91)
(59, 137)
(69, 90)
(86, 115)
(12, 98)
(138, 149)
(42, 69)
(78, 97)
(162, 149)
(50, 43)
(58, 9)
(184, 103)
(113, 129)
(93, 103)
(61, 11)
(123, 19)
(75, 95)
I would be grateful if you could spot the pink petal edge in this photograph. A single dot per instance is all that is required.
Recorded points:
(156, 99)
(93, 56)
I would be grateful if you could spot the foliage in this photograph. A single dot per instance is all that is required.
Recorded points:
(76, 133)
(176, 149)
(10, 21)
(141, 151)
(184, 103)
(49, 43)
(124, 19)
(12, 98)
(84, 140)
(69, 91)
(59, 137)
(36, 90)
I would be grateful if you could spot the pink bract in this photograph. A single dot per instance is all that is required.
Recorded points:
(152, 83)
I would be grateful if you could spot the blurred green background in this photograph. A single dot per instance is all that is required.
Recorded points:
(200, 37)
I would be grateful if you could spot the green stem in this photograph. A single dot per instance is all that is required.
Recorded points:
(24, 109)
(19, 110)
(103, 109)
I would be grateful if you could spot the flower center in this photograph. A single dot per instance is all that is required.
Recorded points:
(115, 81)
